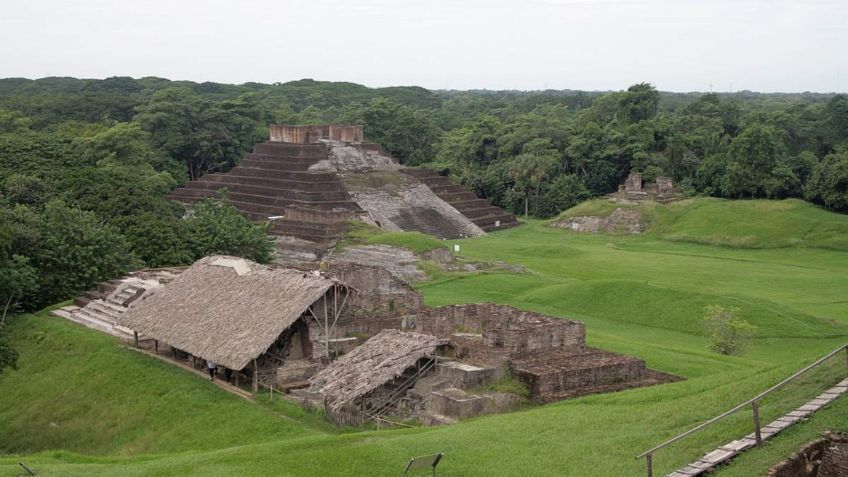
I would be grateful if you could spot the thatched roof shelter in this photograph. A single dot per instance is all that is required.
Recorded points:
(376, 362)
(226, 309)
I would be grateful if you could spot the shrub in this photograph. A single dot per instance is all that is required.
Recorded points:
(729, 334)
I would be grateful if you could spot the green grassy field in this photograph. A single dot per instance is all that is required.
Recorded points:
(82, 404)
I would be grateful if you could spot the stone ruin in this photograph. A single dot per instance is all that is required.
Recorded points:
(309, 182)
(824, 457)
(487, 342)
(634, 189)
(473, 346)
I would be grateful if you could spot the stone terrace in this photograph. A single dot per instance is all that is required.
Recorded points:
(274, 181)
(297, 177)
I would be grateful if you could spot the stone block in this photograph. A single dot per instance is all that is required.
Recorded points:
(465, 376)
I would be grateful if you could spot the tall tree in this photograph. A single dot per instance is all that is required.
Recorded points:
(528, 171)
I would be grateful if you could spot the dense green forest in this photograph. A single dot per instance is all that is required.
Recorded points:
(85, 164)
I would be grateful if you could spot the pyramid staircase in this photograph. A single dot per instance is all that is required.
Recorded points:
(311, 204)
(485, 215)
(275, 181)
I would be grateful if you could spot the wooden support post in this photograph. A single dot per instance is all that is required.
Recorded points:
(193, 361)
(155, 346)
(755, 406)
(237, 377)
(135, 335)
(650, 464)
(326, 330)
(255, 377)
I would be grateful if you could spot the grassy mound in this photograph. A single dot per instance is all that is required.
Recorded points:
(83, 391)
(364, 234)
(734, 223)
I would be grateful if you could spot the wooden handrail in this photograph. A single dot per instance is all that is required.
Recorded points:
(754, 402)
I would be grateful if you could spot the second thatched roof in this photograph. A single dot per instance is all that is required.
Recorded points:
(376, 362)
(226, 309)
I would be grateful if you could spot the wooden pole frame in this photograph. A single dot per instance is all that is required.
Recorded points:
(328, 328)
(255, 377)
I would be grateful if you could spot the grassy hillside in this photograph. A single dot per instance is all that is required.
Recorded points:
(85, 392)
(638, 295)
(737, 223)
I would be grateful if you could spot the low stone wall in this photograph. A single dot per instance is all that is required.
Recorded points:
(378, 292)
(367, 326)
(457, 404)
(552, 374)
(514, 331)
(621, 221)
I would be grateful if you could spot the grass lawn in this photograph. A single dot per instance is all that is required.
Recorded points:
(83, 405)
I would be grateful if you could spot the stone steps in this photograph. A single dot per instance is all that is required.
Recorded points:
(726, 452)
(239, 178)
(481, 211)
(274, 181)
(299, 150)
(268, 196)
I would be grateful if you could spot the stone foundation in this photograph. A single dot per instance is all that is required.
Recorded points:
(513, 331)
(549, 375)
(458, 404)
(464, 376)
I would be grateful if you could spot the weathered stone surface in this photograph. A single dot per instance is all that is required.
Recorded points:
(834, 463)
(457, 404)
(355, 158)
(378, 292)
(295, 373)
(404, 204)
(551, 373)
(401, 262)
(621, 220)
(464, 376)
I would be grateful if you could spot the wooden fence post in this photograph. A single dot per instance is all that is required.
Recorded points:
(755, 406)
(649, 462)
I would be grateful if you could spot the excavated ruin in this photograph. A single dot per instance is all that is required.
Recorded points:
(309, 182)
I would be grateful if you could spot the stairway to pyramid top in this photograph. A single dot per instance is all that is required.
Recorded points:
(312, 134)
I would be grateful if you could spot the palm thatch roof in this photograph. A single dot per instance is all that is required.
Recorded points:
(376, 362)
(226, 309)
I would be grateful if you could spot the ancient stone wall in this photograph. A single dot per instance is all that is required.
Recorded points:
(514, 331)
(368, 326)
(633, 183)
(547, 376)
(665, 186)
(345, 133)
(378, 292)
(312, 134)
(835, 461)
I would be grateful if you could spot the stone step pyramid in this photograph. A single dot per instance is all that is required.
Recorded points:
(309, 182)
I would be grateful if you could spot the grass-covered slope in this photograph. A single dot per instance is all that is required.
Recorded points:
(83, 391)
(642, 296)
(734, 223)
(364, 234)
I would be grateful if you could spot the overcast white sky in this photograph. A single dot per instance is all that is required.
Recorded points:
(678, 45)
